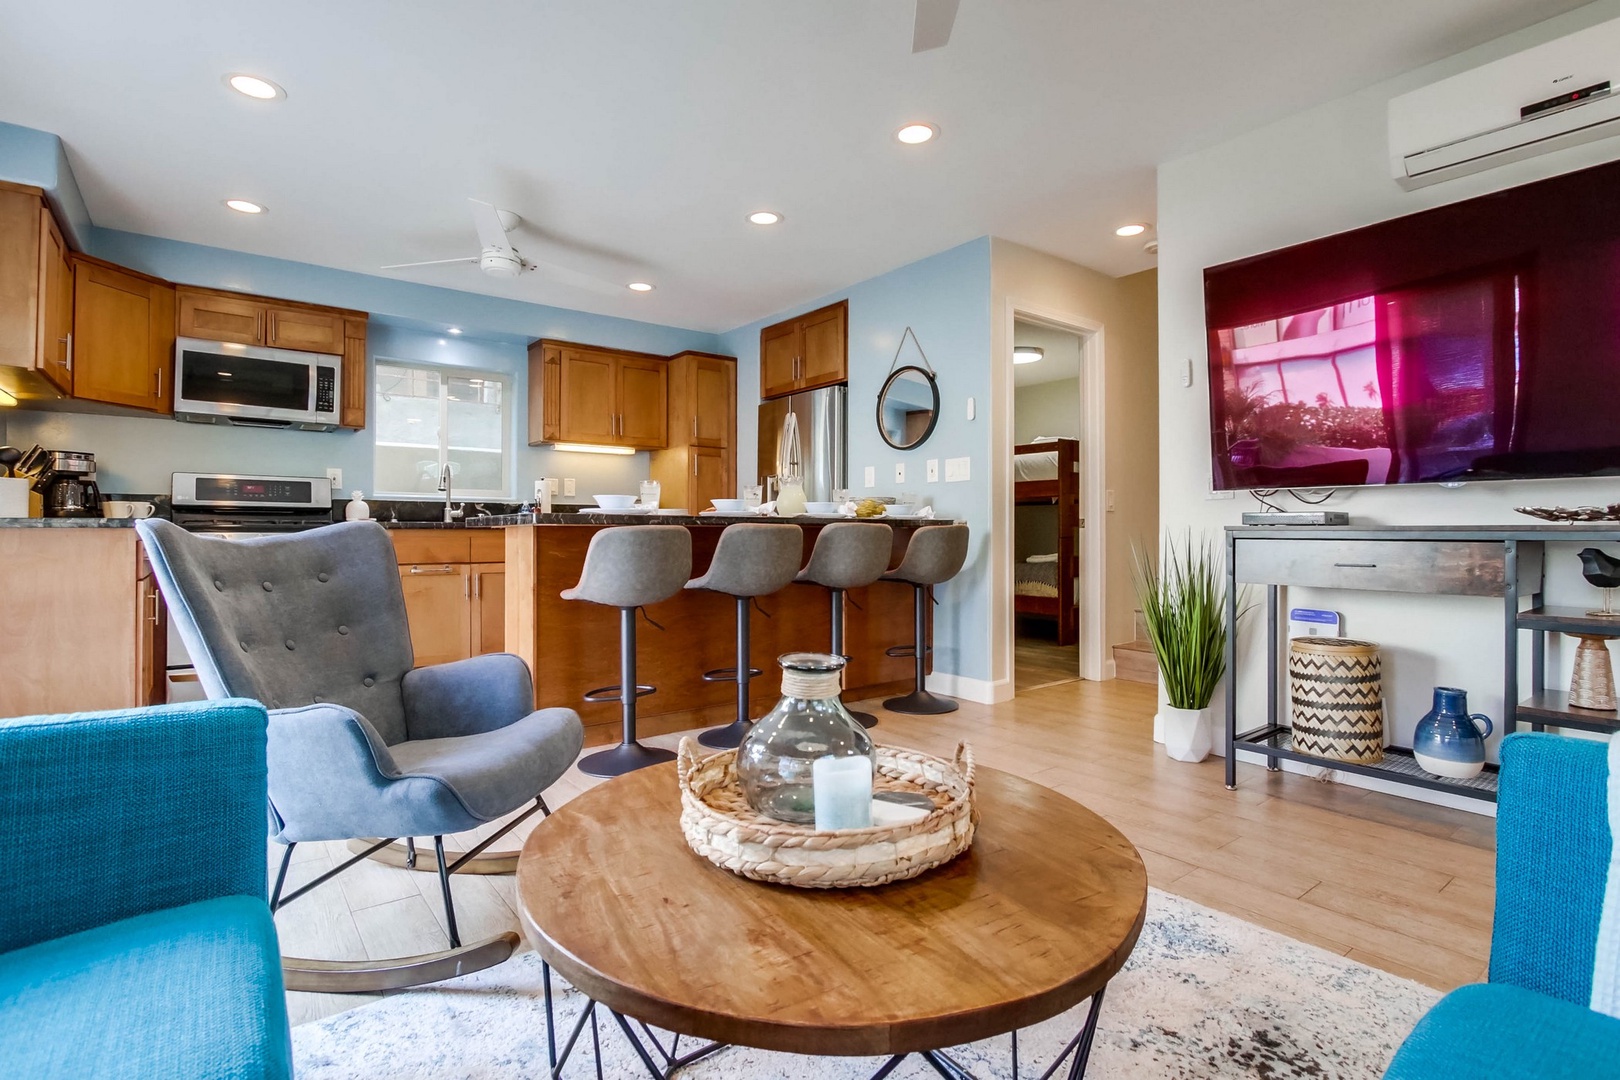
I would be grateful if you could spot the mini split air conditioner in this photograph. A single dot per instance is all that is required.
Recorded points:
(1543, 99)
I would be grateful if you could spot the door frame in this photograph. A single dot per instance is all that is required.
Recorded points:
(1093, 591)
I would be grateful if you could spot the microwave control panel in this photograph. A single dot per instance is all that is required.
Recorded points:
(325, 390)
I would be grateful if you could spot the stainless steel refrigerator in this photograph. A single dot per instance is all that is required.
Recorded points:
(823, 421)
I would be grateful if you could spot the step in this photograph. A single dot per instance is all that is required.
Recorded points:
(1141, 626)
(1134, 662)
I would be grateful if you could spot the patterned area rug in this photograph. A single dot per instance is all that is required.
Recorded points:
(1204, 995)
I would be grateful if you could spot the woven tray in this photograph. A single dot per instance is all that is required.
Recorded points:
(721, 826)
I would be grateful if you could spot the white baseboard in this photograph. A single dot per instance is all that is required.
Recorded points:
(984, 691)
(1109, 670)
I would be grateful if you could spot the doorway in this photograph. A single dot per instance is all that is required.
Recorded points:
(1048, 497)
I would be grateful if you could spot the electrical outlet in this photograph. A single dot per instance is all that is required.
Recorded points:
(899, 472)
(870, 476)
(933, 470)
(568, 486)
(958, 469)
(335, 475)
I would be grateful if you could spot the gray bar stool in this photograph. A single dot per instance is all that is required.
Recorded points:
(629, 567)
(749, 561)
(848, 555)
(935, 554)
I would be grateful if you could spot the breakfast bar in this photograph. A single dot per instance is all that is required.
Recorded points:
(572, 647)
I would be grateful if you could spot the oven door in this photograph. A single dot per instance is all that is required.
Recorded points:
(245, 384)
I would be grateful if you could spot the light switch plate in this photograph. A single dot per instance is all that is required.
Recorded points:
(335, 475)
(971, 409)
(899, 472)
(568, 485)
(958, 469)
(933, 470)
(1110, 500)
(870, 476)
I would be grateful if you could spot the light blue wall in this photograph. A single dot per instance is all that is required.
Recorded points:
(945, 299)
(38, 158)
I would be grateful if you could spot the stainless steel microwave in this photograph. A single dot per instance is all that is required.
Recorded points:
(219, 382)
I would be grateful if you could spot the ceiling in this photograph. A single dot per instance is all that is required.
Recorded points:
(635, 135)
(1062, 359)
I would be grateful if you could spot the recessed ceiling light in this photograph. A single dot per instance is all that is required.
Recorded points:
(1135, 228)
(1027, 354)
(243, 206)
(455, 330)
(254, 87)
(639, 286)
(912, 134)
(764, 217)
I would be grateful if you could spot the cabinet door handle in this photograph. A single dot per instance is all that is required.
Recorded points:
(270, 328)
(477, 585)
(694, 427)
(445, 569)
(157, 377)
(152, 615)
(1358, 565)
(67, 352)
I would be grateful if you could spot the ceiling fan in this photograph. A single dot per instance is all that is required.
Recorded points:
(931, 26)
(499, 259)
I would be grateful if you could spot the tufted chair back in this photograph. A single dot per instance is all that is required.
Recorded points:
(291, 620)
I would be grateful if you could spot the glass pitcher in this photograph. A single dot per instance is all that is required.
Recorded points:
(776, 762)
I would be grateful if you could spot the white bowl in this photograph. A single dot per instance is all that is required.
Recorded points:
(899, 510)
(826, 509)
(730, 506)
(615, 502)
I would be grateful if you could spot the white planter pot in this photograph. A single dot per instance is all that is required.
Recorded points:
(1186, 733)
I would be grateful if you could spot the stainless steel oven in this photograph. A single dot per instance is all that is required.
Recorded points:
(219, 382)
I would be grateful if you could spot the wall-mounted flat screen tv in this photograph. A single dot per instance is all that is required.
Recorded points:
(1476, 341)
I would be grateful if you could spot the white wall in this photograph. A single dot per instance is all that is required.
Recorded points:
(1314, 174)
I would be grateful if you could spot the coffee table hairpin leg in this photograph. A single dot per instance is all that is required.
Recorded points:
(673, 1060)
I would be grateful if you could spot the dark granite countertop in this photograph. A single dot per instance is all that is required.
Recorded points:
(67, 523)
(683, 519)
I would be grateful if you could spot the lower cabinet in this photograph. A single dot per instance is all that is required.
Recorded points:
(84, 626)
(455, 591)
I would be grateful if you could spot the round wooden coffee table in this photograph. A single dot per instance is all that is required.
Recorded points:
(1039, 914)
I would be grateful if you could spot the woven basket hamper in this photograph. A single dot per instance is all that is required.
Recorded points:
(1336, 690)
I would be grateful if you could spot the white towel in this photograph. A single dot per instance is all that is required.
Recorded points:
(1042, 558)
(1606, 962)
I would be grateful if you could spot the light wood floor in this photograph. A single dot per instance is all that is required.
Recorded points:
(1038, 662)
(1400, 885)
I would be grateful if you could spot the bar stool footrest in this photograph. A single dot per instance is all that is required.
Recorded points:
(729, 674)
(611, 693)
(906, 650)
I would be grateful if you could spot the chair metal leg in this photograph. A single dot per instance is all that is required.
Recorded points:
(629, 755)
(865, 719)
(730, 736)
(444, 884)
(281, 876)
(920, 702)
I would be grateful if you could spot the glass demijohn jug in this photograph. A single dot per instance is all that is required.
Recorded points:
(775, 764)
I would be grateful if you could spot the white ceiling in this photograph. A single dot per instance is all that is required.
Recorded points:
(638, 133)
(1062, 359)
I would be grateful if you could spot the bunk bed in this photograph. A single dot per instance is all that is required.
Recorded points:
(1046, 473)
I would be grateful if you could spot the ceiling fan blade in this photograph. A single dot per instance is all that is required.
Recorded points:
(931, 27)
(577, 278)
(491, 234)
(431, 262)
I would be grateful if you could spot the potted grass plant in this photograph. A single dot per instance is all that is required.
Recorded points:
(1183, 602)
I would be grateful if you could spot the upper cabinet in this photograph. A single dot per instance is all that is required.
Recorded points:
(700, 464)
(282, 324)
(804, 353)
(123, 326)
(36, 298)
(600, 397)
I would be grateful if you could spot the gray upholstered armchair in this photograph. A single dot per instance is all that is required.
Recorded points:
(362, 745)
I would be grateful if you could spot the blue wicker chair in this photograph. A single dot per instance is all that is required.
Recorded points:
(1531, 1020)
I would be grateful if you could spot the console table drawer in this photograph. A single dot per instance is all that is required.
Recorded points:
(1452, 567)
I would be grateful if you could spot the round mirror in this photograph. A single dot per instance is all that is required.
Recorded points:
(908, 408)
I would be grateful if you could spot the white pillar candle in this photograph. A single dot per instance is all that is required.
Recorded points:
(843, 793)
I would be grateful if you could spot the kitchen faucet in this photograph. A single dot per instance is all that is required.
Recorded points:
(444, 486)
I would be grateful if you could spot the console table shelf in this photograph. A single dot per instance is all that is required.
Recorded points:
(1567, 620)
(1552, 707)
(1398, 765)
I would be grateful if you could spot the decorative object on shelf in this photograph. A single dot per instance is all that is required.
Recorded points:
(776, 761)
(1336, 687)
(1571, 513)
(356, 509)
(720, 825)
(1592, 684)
(908, 403)
(1449, 741)
(1602, 571)
(1184, 606)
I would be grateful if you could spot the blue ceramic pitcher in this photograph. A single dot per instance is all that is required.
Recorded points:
(1448, 741)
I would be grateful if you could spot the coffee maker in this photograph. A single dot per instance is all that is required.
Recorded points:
(66, 481)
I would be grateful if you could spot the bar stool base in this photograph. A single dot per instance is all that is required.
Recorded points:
(624, 758)
(728, 737)
(920, 703)
(865, 719)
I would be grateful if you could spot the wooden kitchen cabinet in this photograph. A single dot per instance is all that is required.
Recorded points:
(354, 393)
(455, 591)
(488, 614)
(36, 298)
(600, 397)
(216, 316)
(436, 604)
(84, 627)
(700, 464)
(303, 329)
(806, 352)
(123, 326)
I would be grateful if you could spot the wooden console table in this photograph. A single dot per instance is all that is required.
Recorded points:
(1499, 562)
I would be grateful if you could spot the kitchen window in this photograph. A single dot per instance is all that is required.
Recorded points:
(427, 417)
